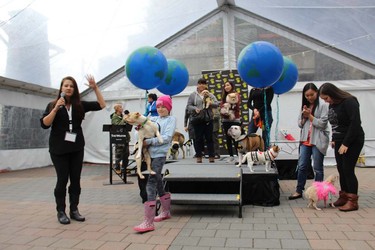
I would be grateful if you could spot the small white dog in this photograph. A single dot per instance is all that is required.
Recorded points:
(321, 191)
(266, 158)
(146, 129)
(227, 109)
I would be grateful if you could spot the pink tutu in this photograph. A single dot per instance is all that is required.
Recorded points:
(323, 189)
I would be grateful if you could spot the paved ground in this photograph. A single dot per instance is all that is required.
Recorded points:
(28, 218)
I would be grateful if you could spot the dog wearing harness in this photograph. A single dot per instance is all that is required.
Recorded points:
(146, 129)
(260, 157)
(245, 143)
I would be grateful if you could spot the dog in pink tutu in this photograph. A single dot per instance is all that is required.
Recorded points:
(321, 191)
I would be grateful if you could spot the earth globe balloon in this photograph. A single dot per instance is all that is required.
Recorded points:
(176, 80)
(287, 79)
(146, 67)
(260, 64)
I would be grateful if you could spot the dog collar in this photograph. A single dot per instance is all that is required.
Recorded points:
(139, 126)
(270, 152)
(242, 137)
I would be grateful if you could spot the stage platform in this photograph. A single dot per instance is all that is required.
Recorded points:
(221, 183)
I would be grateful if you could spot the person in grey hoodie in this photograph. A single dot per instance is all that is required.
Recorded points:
(203, 130)
(314, 138)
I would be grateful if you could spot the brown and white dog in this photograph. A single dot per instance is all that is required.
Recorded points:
(246, 143)
(178, 140)
(260, 157)
(206, 99)
(146, 129)
(321, 191)
(227, 108)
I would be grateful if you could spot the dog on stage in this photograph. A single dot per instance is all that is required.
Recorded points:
(177, 144)
(227, 108)
(266, 158)
(187, 145)
(206, 99)
(146, 129)
(246, 143)
(320, 191)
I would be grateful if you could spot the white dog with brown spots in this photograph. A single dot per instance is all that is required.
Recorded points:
(146, 129)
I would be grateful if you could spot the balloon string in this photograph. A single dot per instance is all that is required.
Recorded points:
(146, 101)
(267, 127)
(277, 119)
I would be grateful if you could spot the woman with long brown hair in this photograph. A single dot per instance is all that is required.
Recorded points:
(348, 139)
(230, 120)
(66, 142)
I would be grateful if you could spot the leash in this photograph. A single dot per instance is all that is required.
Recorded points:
(139, 126)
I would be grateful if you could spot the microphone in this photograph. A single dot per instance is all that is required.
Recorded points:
(62, 94)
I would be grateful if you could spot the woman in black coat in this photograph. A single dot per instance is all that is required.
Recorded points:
(66, 142)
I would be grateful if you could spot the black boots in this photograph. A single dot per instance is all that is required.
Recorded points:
(75, 215)
(60, 207)
(62, 218)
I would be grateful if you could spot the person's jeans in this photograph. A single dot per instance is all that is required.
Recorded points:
(304, 161)
(252, 128)
(154, 185)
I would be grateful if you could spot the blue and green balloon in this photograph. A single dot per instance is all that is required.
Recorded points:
(176, 80)
(260, 64)
(146, 67)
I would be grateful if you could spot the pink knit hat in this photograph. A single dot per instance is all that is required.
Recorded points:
(165, 101)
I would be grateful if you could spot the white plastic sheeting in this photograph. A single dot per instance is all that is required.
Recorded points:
(97, 141)
(285, 113)
(42, 41)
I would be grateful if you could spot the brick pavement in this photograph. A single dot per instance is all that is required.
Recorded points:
(28, 218)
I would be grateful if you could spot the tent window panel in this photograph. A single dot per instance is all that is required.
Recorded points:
(199, 51)
(312, 65)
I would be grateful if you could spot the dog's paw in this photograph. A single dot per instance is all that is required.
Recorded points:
(153, 173)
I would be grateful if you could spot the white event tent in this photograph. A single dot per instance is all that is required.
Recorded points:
(42, 41)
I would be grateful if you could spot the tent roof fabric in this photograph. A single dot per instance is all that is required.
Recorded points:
(40, 43)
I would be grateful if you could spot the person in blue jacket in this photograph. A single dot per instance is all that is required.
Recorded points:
(151, 105)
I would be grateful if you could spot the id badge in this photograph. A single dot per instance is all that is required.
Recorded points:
(70, 136)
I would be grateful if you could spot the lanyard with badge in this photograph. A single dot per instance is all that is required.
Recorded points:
(69, 135)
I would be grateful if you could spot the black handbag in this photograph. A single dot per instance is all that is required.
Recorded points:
(202, 117)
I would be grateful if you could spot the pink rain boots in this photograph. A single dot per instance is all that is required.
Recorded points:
(165, 201)
(148, 222)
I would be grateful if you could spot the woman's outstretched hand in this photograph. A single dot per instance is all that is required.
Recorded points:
(91, 80)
